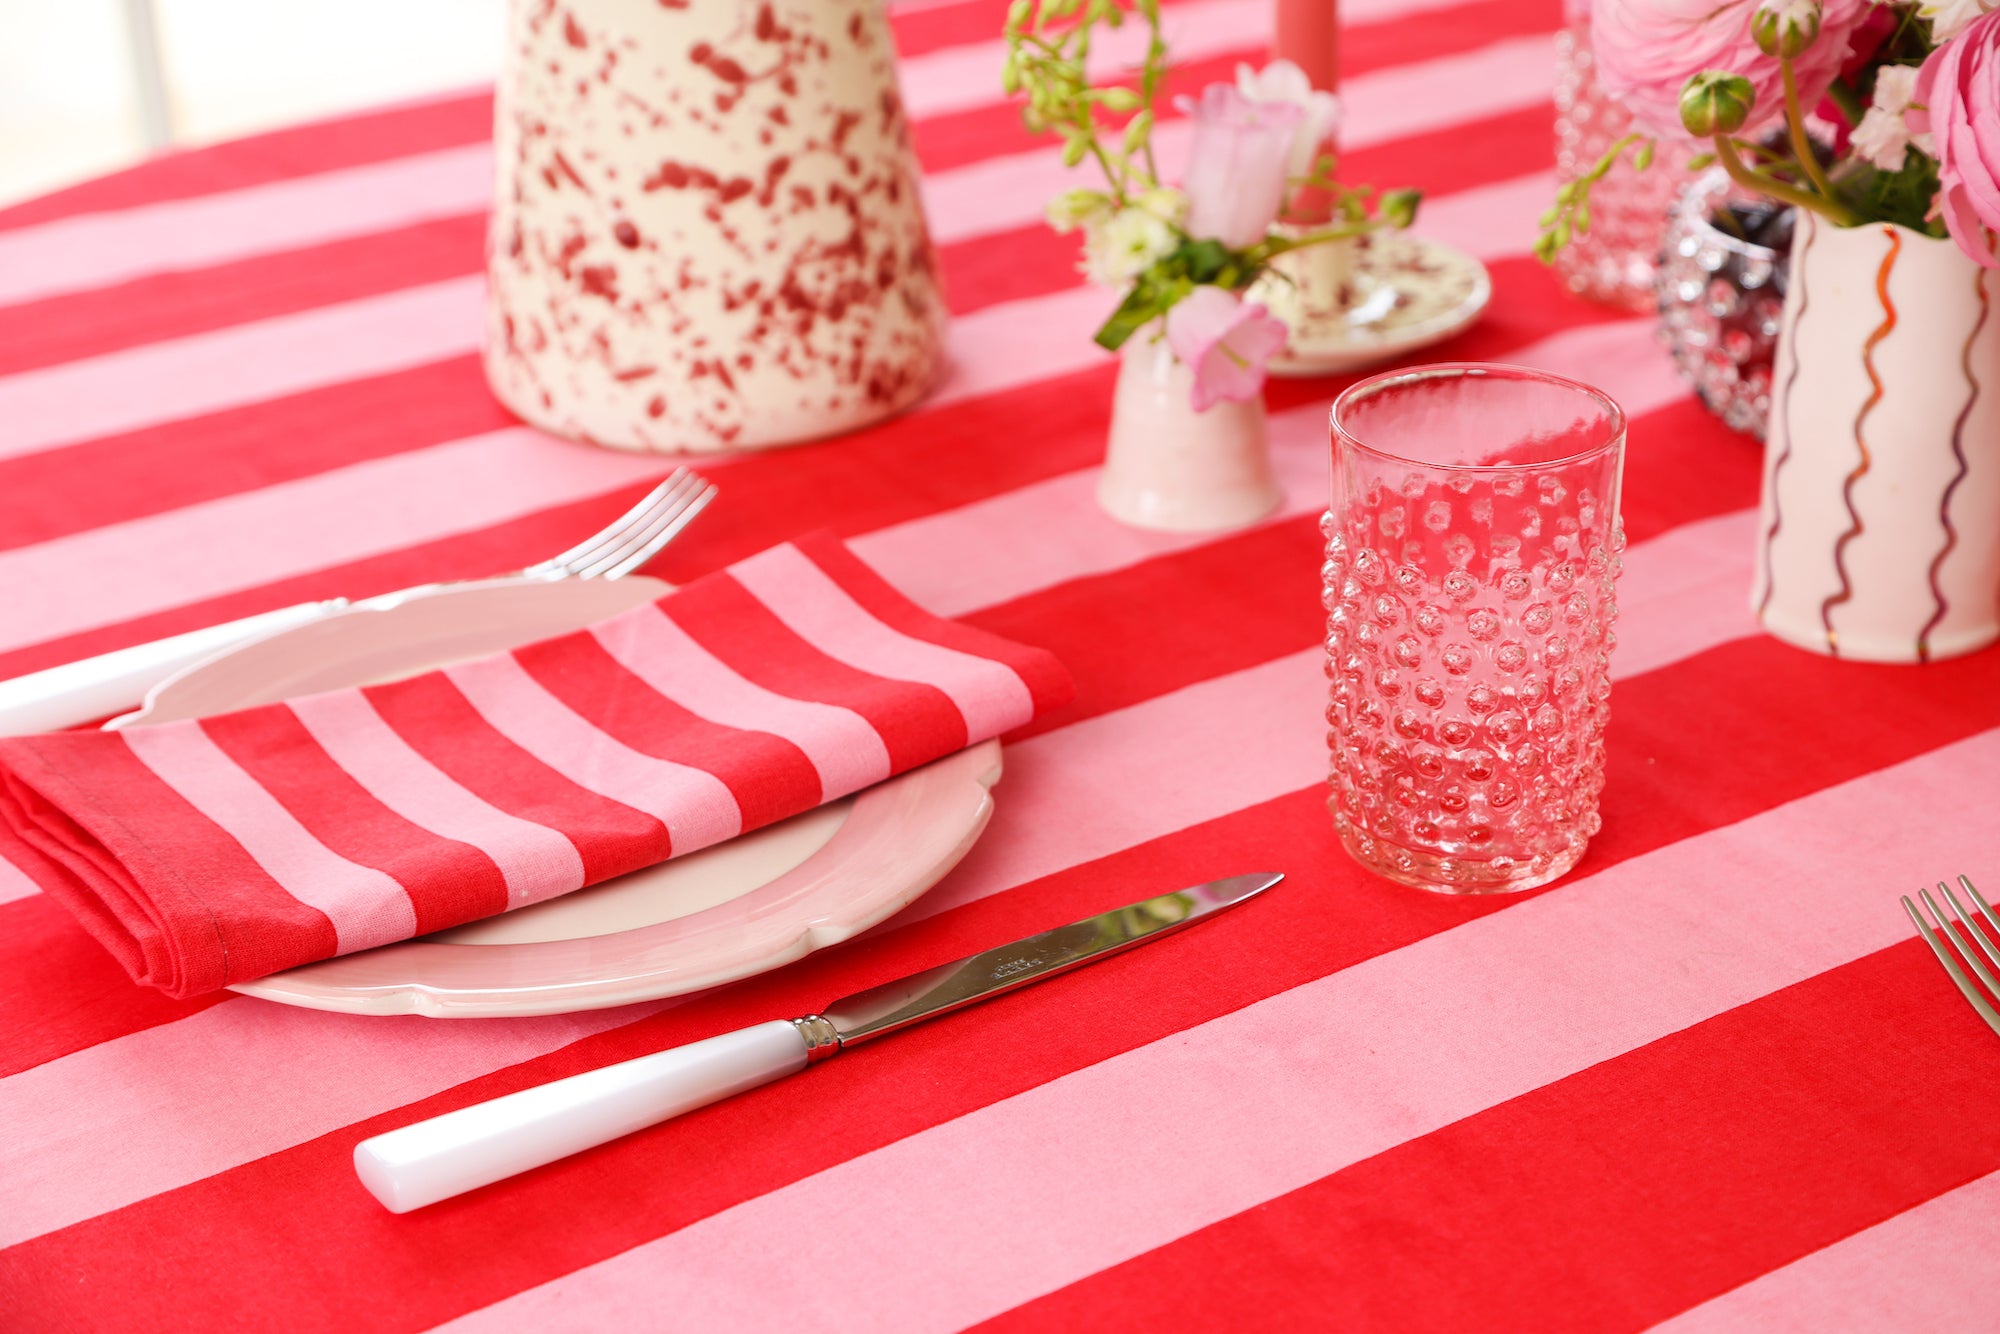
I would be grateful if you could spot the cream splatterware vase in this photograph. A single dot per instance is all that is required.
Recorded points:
(707, 234)
(1881, 510)
(1172, 468)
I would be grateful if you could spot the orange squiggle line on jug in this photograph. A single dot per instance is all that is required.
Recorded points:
(1856, 527)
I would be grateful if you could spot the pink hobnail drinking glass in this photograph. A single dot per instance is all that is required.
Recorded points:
(1470, 553)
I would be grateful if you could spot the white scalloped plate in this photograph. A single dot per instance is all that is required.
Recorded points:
(1409, 293)
(752, 904)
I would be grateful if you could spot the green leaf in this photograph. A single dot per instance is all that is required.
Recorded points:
(1139, 308)
(1137, 129)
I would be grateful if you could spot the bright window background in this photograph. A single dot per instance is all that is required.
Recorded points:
(70, 105)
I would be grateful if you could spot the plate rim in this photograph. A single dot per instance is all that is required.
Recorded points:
(940, 808)
(1407, 338)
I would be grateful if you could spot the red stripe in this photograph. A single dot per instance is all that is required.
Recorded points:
(769, 776)
(1329, 916)
(914, 720)
(1045, 678)
(437, 721)
(51, 493)
(281, 155)
(200, 885)
(448, 882)
(961, 137)
(48, 956)
(164, 306)
(1617, 1197)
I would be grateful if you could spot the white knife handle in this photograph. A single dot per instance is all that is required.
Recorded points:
(473, 1146)
(77, 692)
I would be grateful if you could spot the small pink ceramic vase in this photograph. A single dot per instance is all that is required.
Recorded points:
(1170, 467)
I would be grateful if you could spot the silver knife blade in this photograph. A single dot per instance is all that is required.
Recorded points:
(908, 1000)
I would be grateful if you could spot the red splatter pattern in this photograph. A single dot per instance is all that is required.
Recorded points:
(707, 234)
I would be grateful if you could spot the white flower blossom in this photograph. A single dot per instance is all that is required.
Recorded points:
(1165, 203)
(1883, 137)
(1283, 81)
(1078, 208)
(1949, 18)
(1120, 249)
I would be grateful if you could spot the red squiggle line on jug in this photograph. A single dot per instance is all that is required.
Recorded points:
(1784, 453)
(1958, 453)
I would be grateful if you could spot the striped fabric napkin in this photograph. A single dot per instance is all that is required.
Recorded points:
(208, 852)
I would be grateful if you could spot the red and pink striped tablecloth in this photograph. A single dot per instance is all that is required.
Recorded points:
(1710, 1081)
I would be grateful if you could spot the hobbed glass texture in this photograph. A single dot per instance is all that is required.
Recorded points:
(1722, 297)
(1614, 261)
(1470, 617)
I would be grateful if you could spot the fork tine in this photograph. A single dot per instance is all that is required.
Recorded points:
(1972, 928)
(666, 501)
(651, 546)
(1944, 956)
(1985, 909)
(617, 529)
(636, 546)
(1962, 933)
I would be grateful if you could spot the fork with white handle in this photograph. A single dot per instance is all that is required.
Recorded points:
(77, 692)
(1963, 930)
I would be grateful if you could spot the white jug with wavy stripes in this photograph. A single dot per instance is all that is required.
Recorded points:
(1881, 510)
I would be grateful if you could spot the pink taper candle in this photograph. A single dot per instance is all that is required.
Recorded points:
(1309, 36)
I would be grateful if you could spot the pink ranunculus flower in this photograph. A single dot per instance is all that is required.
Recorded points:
(1645, 50)
(1235, 181)
(1957, 104)
(1225, 342)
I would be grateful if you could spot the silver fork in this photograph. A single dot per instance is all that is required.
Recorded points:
(1963, 930)
(635, 536)
(77, 692)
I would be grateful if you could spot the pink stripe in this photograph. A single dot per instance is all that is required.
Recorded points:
(276, 532)
(1003, 193)
(1492, 221)
(1317, 1078)
(14, 882)
(842, 745)
(221, 546)
(1042, 534)
(694, 805)
(1131, 769)
(102, 249)
(1071, 795)
(226, 1086)
(1930, 1267)
(245, 363)
(989, 696)
(365, 906)
(537, 862)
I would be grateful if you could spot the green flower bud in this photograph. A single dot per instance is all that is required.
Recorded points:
(1399, 207)
(1716, 102)
(1785, 27)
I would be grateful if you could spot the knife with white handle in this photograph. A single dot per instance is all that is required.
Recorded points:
(92, 688)
(474, 1146)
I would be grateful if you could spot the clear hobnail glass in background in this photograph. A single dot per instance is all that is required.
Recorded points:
(1613, 262)
(1470, 553)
